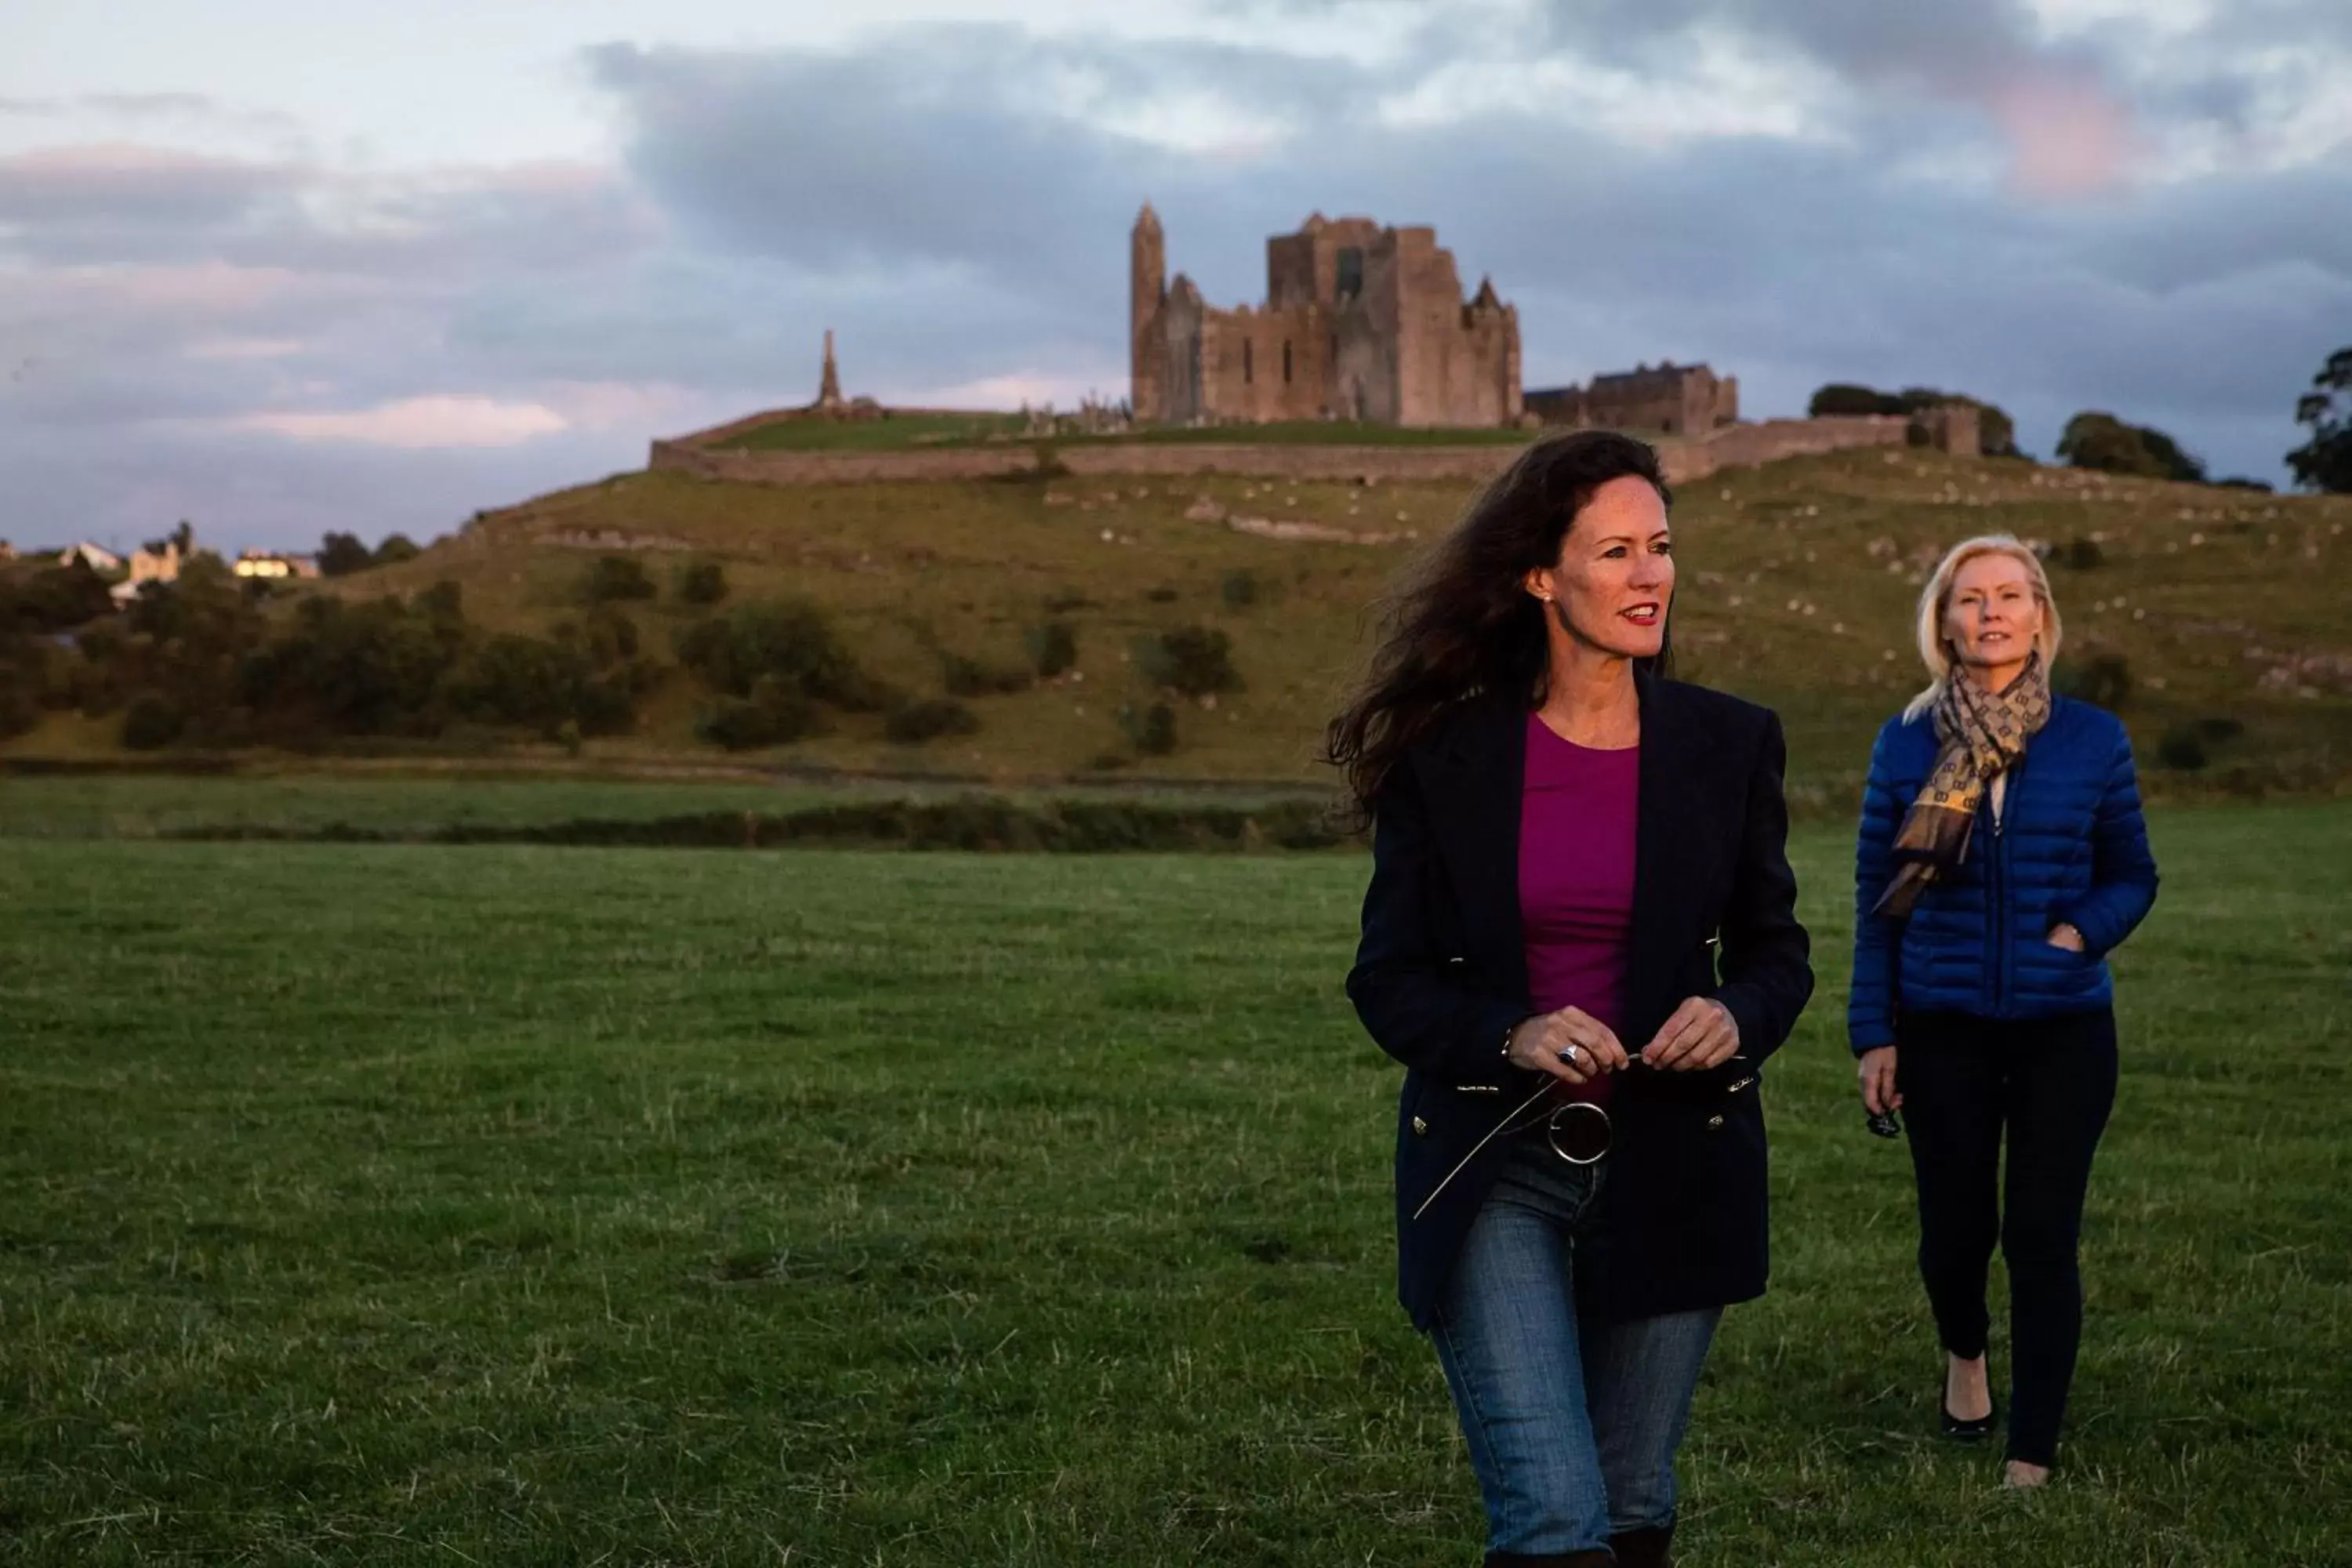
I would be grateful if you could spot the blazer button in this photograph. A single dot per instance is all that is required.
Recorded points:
(1714, 1124)
(1421, 1126)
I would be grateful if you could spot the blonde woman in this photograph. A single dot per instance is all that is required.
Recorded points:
(2002, 857)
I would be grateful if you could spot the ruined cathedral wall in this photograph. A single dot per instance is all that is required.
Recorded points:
(1177, 351)
(1290, 271)
(1363, 370)
(1433, 361)
(1147, 380)
(1267, 364)
(1481, 369)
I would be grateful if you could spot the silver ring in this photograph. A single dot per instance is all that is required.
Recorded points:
(1569, 1055)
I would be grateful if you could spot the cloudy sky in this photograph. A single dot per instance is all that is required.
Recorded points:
(281, 268)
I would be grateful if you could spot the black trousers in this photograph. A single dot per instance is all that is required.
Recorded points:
(2049, 1083)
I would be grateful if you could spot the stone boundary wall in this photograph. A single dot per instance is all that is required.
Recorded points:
(1769, 441)
(718, 435)
(1736, 445)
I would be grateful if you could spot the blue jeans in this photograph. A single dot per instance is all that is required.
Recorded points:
(1573, 1426)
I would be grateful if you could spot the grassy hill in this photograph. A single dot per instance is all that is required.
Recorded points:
(2226, 608)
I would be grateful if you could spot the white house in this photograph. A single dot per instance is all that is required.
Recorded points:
(148, 565)
(97, 557)
(274, 564)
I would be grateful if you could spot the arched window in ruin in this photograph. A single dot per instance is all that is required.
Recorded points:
(1249, 370)
(1286, 361)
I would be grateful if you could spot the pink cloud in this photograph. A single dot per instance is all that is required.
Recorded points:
(201, 290)
(439, 422)
(2068, 136)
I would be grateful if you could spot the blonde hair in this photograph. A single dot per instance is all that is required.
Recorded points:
(1935, 601)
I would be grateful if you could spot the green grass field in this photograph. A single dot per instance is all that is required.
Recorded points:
(510, 1205)
(409, 804)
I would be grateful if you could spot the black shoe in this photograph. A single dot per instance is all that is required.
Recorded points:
(1644, 1548)
(1960, 1431)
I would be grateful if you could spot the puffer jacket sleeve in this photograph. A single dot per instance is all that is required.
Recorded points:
(1410, 997)
(1768, 973)
(2123, 868)
(1869, 1001)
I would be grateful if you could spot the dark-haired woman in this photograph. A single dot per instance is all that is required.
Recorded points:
(1580, 941)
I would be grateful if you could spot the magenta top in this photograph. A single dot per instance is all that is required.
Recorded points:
(1577, 813)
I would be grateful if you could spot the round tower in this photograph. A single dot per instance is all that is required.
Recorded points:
(1147, 289)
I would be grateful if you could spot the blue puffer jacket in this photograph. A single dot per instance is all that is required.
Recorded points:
(2070, 846)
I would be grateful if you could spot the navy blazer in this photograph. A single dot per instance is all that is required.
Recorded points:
(1441, 977)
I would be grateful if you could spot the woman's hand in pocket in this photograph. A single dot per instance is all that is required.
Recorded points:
(2066, 936)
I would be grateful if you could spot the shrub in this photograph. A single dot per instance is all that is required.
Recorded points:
(2183, 747)
(1151, 731)
(916, 722)
(1192, 661)
(546, 685)
(2099, 677)
(614, 577)
(773, 713)
(53, 599)
(2083, 554)
(1843, 397)
(1162, 595)
(789, 639)
(975, 678)
(701, 583)
(1053, 648)
(152, 721)
(605, 636)
(2095, 440)
(1062, 601)
(395, 549)
(19, 710)
(340, 555)
(362, 668)
(1239, 590)
(740, 725)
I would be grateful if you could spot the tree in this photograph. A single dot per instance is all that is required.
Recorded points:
(611, 577)
(54, 598)
(2325, 462)
(1845, 397)
(702, 583)
(395, 549)
(2097, 440)
(339, 554)
(1996, 432)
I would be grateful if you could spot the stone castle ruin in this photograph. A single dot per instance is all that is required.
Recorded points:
(1359, 322)
(1675, 399)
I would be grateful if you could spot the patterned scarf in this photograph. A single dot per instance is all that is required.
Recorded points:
(1982, 734)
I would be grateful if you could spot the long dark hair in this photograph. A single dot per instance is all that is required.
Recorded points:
(1462, 623)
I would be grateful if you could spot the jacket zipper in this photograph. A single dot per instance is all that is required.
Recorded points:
(1997, 892)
